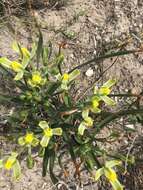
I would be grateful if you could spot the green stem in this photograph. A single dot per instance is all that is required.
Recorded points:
(116, 115)
(123, 95)
(109, 55)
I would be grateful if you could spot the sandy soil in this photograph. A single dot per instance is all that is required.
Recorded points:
(90, 28)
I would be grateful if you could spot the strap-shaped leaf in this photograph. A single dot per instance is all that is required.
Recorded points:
(109, 83)
(108, 100)
(99, 173)
(112, 163)
(45, 161)
(45, 55)
(5, 62)
(51, 167)
(16, 47)
(74, 75)
(16, 170)
(30, 161)
(1, 164)
(39, 47)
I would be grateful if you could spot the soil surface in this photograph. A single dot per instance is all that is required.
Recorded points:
(88, 28)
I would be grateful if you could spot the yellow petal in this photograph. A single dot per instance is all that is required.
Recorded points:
(16, 66)
(36, 78)
(104, 90)
(88, 121)
(48, 132)
(9, 163)
(65, 77)
(95, 103)
(110, 174)
(29, 138)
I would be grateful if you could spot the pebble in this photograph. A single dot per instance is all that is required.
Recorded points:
(89, 72)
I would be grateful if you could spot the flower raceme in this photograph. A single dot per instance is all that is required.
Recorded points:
(48, 133)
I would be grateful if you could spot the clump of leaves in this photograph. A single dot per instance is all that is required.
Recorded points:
(47, 117)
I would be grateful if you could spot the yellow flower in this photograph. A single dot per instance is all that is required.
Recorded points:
(110, 174)
(29, 138)
(36, 79)
(95, 103)
(48, 132)
(10, 161)
(8, 164)
(66, 77)
(16, 66)
(88, 121)
(104, 91)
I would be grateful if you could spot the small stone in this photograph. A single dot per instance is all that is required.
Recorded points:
(130, 126)
(89, 72)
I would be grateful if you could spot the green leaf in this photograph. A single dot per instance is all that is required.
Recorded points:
(45, 55)
(108, 100)
(39, 47)
(19, 76)
(52, 87)
(30, 162)
(60, 59)
(51, 167)
(57, 131)
(46, 160)
(5, 62)
(45, 141)
(99, 173)
(33, 51)
(5, 99)
(25, 61)
(16, 170)
(116, 185)
(109, 83)
(43, 124)
(1, 164)
(112, 163)
(16, 47)
(81, 128)
(41, 152)
(74, 75)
